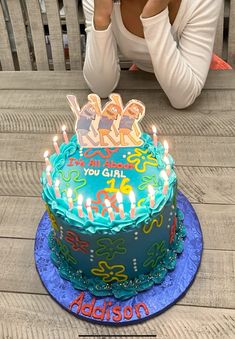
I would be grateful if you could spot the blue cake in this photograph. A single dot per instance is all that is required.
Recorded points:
(116, 229)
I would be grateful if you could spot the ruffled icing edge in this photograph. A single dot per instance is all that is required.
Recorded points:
(102, 224)
(128, 288)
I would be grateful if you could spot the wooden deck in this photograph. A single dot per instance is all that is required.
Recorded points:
(202, 140)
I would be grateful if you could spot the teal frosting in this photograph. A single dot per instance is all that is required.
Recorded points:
(102, 223)
(128, 288)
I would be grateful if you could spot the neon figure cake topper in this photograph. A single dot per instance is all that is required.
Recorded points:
(112, 125)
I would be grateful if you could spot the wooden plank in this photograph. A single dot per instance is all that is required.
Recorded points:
(217, 222)
(73, 33)
(214, 185)
(215, 277)
(210, 151)
(231, 36)
(37, 31)
(6, 59)
(74, 80)
(55, 33)
(23, 119)
(20, 216)
(154, 100)
(218, 44)
(207, 184)
(20, 37)
(51, 321)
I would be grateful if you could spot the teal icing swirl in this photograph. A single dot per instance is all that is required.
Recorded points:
(128, 288)
(102, 224)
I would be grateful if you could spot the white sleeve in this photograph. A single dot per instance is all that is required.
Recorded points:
(182, 70)
(101, 68)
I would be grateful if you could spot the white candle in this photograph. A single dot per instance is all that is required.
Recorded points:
(56, 188)
(133, 201)
(88, 208)
(66, 140)
(166, 183)
(152, 196)
(55, 139)
(166, 147)
(80, 200)
(70, 199)
(47, 161)
(48, 174)
(168, 167)
(120, 204)
(110, 210)
(155, 138)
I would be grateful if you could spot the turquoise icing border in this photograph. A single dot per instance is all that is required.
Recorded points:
(100, 223)
(126, 289)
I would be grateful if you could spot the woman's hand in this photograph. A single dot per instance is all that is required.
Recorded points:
(102, 13)
(153, 7)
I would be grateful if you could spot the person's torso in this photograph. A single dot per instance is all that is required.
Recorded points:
(133, 47)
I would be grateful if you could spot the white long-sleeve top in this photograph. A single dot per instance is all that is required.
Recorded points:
(178, 54)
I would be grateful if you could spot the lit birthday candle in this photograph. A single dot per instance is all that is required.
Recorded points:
(47, 161)
(48, 174)
(168, 167)
(56, 188)
(88, 208)
(55, 139)
(80, 200)
(133, 201)
(166, 147)
(152, 196)
(66, 140)
(110, 210)
(120, 204)
(166, 183)
(69, 196)
(155, 138)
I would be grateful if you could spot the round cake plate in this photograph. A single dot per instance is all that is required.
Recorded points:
(109, 310)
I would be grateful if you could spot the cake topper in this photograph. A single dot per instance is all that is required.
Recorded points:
(112, 125)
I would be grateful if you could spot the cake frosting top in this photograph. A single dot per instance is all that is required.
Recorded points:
(99, 174)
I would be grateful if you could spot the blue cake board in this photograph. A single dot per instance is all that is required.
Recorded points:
(157, 299)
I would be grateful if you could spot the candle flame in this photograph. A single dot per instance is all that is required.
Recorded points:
(154, 129)
(80, 199)
(63, 128)
(48, 168)
(151, 190)
(166, 146)
(166, 160)
(164, 175)
(69, 193)
(132, 197)
(107, 203)
(55, 138)
(119, 197)
(57, 183)
(88, 202)
(46, 153)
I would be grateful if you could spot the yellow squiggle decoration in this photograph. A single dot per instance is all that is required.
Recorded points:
(155, 222)
(52, 218)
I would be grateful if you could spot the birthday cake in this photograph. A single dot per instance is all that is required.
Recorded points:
(110, 193)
